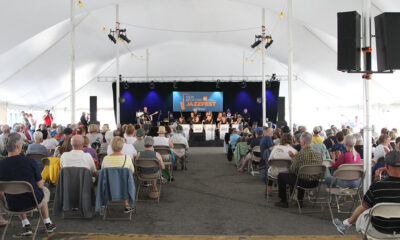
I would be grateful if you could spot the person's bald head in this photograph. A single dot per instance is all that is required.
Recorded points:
(77, 142)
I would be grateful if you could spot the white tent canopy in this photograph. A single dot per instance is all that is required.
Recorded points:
(185, 38)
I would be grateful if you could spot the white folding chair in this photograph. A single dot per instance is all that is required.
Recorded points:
(254, 160)
(165, 153)
(383, 210)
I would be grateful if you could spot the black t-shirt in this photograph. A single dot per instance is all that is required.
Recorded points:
(255, 142)
(360, 150)
(21, 168)
(384, 191)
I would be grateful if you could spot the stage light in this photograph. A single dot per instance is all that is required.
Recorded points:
(244, 84)
(175, 85)
(80, 4)
(256, 43)
(104, 30)
(125, 38)
(281, 15)
(217, 85)
(269, 44)
(269, 39)
(152, 85)
(273, 77)
(126, 85)
(112, 38)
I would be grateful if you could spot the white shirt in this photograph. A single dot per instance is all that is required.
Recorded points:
(282, 152)
(50, 143)
(161, 141)
(130, 140)
(180, 139)
(379, 152)
(127, 149)
(77, 158)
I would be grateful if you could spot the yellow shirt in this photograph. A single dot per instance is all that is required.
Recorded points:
(118, 161)
(317, 139)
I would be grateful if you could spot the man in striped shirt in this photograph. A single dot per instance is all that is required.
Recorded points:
(307, 156)
(383, 191)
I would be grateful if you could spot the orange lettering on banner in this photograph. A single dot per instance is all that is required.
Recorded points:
(190, 104)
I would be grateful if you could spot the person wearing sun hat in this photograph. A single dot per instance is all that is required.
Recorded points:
(161, 140)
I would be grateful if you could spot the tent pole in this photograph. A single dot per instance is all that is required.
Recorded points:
(147, 64)
(244, 59)
(72, 24)
(366, 21)
(264, 105)
(117, 95)
(290, 64)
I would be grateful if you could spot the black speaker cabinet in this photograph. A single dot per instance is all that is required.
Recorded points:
(93, 109)
(281, 109)
(349, 41)
(387, 34)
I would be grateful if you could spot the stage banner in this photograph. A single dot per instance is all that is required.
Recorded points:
(186, 130)
(202, 101)
(235, 126)
(197, 128)
(210, 131)
(223, 129)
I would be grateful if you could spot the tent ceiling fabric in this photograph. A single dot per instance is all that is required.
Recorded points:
(185, 37)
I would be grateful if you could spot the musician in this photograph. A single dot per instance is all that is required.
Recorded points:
(197, 114)
(239, 120)
(234, 118)
(246, 116)
(219, 118)
(197, 120)
(208, 120)
(192, 118)
(181, 120)
(171, 118)
(146, 117)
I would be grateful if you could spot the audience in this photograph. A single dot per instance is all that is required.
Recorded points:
(49, 142)
(94, 134)
(21, 168)
(316, 137)
(161, 139)
(178, 138)
(254, 142)
(127, 149)
(359, 147)
(233, 138)
(37, 147)
(139, 143)
(383, 148)
(89, 150)
(130, 134)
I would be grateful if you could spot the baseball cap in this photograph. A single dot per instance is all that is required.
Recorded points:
(393, 158)
(316, 129)
(68, 131)
(329, 132)
(140, 133)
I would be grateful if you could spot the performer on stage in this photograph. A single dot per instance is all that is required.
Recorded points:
(197, 120)
(197, 114)
(234, 118)
(208, 120)
(246, 116)
(192, 118)
(171, 118)
(146, 117)
(219, 118)
(181, 120)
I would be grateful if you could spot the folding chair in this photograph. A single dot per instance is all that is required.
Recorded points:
(345, 172)
(38, 158)
(105, 191)
(240, 153)
(19, 187)
(100, 157)
(181, 146)
(278, 163)
(254, 160)
(165, 153)
(142, 177)
(382, 210)
(318, 170)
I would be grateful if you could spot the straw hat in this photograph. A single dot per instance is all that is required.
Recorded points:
(161, 130)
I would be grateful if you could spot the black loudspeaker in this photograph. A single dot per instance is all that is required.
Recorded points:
(281, 109)
(387, 41)
(349, 41)
(93, 110)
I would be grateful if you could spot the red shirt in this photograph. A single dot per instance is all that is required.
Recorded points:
(47, 120)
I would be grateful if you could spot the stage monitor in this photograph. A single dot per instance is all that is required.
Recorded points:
(202, 101)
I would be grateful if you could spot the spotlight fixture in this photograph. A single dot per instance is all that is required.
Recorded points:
(269, 42)
(273, 77)
(152, 85)
(126, 85)
(244, 84)
(111, 37)
(175, 85)
(257, 41)
(122, 35)
(217, 85)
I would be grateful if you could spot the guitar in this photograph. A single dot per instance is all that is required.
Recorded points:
(148, 117)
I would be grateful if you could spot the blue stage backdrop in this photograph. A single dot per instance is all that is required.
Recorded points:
(202, 101)
(161, 98)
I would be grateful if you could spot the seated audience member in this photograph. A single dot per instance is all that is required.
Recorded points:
(276, 137)
(50, 143)
(53, 130)
(178, 138)
(398, 144)
(130, 134)
(254, 142)
(383, 148)
(393, 136)
(139, 143)
(67, 133)
(4, 137)
(94, 134)
(119, 160)
(307, 156)
(280, 151)
(359, 147)
(59, 133)
(149, 153)
(379, 164)
(162, 140)
(338, 148)
(108, 136)
(18, 129)
(36, 147)
(76, 157)
(152, 131)
(65, 147)
(316, 138)
(330, 139)
(89, 150)
(384, 191)
(127, 149)
(21, 168)
(349, 157)
(233, 138)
